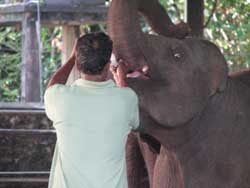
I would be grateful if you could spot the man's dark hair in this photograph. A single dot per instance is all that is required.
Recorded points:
(93, 52)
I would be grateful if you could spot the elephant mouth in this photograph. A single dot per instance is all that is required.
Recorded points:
(142, 73)
(139, 75)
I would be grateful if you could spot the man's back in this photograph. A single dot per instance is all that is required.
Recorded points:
(92, 120)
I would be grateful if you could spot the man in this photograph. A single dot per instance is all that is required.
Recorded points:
(92, 118)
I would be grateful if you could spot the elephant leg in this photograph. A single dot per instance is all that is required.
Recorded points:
(150, 149)
(167, 172)
(136, 170)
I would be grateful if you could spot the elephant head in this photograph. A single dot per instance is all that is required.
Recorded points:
(184, 72)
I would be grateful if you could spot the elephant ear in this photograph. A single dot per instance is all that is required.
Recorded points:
(211, 62)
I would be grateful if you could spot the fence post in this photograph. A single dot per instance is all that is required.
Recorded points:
(30, 68)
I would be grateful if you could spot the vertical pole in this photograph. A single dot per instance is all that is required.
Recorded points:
(30, 69)
(70, 34)
(194, 16)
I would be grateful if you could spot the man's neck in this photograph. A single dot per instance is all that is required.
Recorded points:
(94, 78)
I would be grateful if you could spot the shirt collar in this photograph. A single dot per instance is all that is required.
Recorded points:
(94, 84)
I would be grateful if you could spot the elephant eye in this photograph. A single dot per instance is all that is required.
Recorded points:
(177, 55)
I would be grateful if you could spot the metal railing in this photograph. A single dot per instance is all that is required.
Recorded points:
(24, 108)
(27, 132)
(24, 176)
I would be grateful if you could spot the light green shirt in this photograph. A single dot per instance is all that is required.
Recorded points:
(92, 121)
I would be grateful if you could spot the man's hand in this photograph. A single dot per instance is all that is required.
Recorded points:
(120, 73)
(62, 74)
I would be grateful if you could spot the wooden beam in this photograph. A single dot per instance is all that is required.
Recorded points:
(11, 19)
(194, 16)
(59, 18)
(30, 69)
(70, 34)
(55, 19)
(21, 108)
(32, 7)
(75, 2)
(53, 15)
(23, 179)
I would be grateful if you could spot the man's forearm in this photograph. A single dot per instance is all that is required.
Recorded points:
(122, 83)
(62, 74)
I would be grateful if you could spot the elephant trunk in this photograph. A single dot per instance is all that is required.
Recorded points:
(159, 21)
(124, 30)
(157, 18)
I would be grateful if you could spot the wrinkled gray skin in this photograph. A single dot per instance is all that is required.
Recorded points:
(195, 118)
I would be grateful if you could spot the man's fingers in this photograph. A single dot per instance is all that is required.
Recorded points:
(113, 70)
(123, 65)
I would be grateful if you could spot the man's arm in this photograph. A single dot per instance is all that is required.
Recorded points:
(62, 74)
(52, 95)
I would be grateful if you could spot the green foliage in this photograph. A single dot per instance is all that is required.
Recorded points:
(10, 58)
(175, 9)
(230, 30)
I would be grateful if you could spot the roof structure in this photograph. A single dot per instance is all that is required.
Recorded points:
(12, 14)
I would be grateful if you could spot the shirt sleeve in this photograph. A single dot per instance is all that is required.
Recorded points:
(135, 120)
(50, 100)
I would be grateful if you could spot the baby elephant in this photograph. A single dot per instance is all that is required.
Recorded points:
(194, 116)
